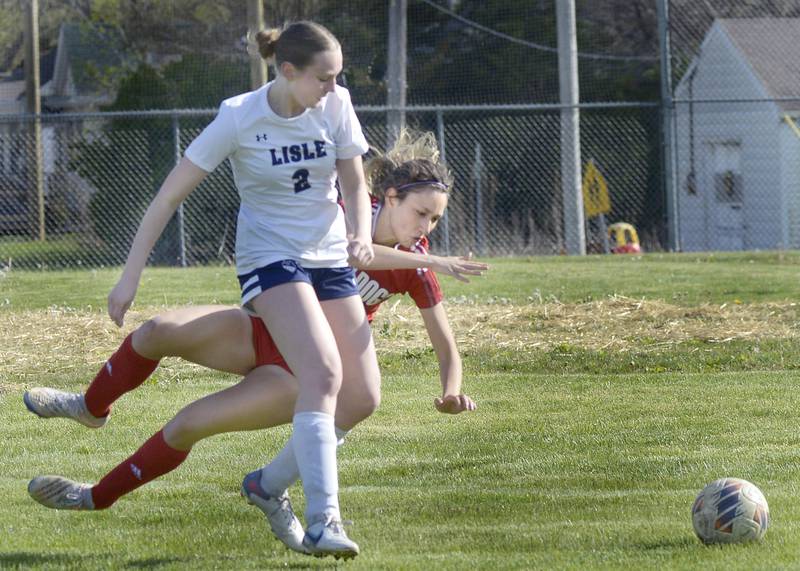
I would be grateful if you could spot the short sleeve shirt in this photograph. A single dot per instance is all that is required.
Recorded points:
(376, 286)
(285, 172)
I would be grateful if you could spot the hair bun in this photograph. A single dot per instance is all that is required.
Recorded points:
(267, 40)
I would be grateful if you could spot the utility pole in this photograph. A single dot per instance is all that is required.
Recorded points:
(667, 126)
(255, 23)
(574, 226)
(396, 69)
(33, 106)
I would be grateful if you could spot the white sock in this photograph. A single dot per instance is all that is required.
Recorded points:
(314, 442)
(340, 434)
(282, 471)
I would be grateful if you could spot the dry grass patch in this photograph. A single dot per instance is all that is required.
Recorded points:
(614, 324)
(59, 339)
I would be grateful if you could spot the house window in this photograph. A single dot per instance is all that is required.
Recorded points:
(727, 158)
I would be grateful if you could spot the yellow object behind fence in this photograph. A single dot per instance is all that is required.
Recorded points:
(624, 238)
(595, 191)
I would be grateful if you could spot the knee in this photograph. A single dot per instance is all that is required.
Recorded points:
(326, 375)
(184, 431)
(150, 335)
(350, 411)
(369, 398)
(366, 407)
(370, 402)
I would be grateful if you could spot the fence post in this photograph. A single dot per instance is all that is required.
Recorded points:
(176, 134)
(574, 225)
(396, 69)
(443, 155)
(33, 103)
(477, 175)
(255, 22)
(668, 126)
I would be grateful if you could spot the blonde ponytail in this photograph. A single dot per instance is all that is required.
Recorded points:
(414, 158)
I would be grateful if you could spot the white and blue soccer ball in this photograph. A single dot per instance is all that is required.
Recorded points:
(730, 510)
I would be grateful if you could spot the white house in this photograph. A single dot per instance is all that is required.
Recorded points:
(738, 138)
(75, 78)
(15, 194)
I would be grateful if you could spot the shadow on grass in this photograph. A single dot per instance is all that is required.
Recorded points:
(27, 560)
(682, 543)
(24, 559)
(156, 562)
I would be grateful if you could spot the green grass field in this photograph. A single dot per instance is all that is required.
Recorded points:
(610, 390)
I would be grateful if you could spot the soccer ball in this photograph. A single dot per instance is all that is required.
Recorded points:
(730, 510)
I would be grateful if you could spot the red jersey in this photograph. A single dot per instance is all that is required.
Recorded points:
(376, 286)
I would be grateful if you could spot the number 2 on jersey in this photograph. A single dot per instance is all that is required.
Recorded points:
(300, 178)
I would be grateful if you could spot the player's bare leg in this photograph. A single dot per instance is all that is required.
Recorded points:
(359, 368)
(263, 399)
(217, 337)
(360, 394)
(303, 335)
(357, 399)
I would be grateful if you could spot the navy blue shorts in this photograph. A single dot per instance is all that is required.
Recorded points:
(328, 283)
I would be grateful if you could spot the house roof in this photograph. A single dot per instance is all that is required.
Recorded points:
(79, 71)
(12, 87)
(91, 51)
(772, 48)
(47, 63)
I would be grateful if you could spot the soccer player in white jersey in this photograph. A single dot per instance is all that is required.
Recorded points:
(410, 192)
(287, 143)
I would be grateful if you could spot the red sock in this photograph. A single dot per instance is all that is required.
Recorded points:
(124, 371)
(155, 458)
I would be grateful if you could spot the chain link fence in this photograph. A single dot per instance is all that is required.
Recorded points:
(101, 172)
(736, 77)
(483, 76)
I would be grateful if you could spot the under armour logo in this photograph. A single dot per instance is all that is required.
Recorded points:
(136, 471)
(108, 368)
(261, 136)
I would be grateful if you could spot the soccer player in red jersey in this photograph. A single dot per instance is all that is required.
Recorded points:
(410, 190)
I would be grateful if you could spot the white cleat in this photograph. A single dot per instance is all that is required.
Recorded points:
(281, 518)
(327, 537)
(61, 494)
(49, 403)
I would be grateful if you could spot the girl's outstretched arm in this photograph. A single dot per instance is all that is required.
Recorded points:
(387, 258)
(452, 400)
(183, 179)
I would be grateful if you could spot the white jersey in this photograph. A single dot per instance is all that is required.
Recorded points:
(285, 172)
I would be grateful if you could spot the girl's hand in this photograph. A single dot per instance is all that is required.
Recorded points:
(453, 404)
(459, 267)
(121, 298)
(359, 251)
